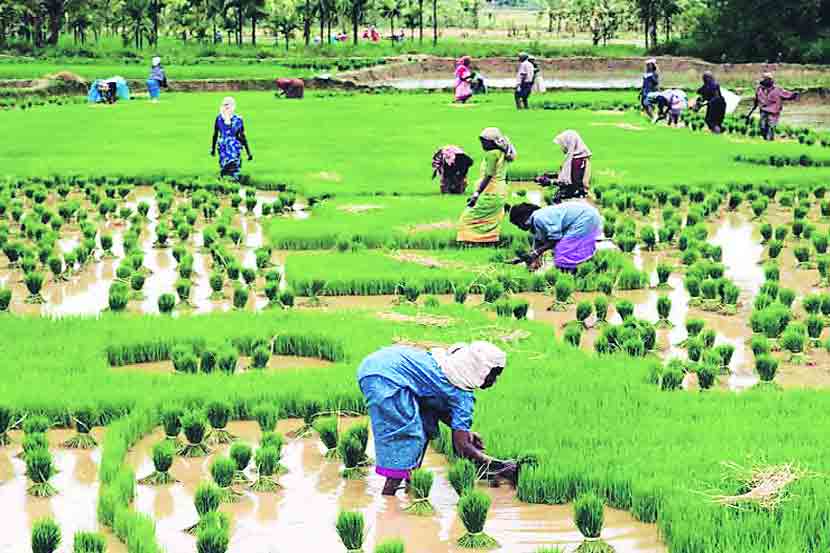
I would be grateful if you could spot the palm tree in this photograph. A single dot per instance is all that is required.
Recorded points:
(391, 9)
(255, 10)
(284, 19)
(134, 18)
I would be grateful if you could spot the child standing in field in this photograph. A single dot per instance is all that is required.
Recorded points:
(157, 80)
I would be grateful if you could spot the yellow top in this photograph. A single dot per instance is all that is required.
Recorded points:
(494, 165)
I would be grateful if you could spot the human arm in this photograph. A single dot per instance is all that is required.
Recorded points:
(469, 445)
(215, 136)
(482, 186)
(788, 95)
(244, 141)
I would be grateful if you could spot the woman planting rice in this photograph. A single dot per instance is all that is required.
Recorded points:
(710, 95)
(408, 391)
(569, 229)
(229, 135)
(481, 221)
(157, 80)
(574, 177)
(463, 78)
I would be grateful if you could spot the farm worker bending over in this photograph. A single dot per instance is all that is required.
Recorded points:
(524, 81)
(229, 135)
(291, 88)
(574, 177)
(157, 80)
(770, 99)
(570, 229)
(481, 221)
(409, 391)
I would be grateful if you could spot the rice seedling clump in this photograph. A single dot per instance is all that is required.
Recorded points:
(84, 419)
(472, 509)
(46, 536)
(350, 528)
(327, 428)
(462, 476)
(194, 425)
(89, 542)
(163, 454)
(420, 484)
(589, 518)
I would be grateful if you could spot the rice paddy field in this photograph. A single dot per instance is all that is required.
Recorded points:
(180, 352)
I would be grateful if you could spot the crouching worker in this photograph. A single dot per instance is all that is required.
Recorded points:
(291, 88)
(570, 229)
(574, 177)
(409, 391)
(452, 165)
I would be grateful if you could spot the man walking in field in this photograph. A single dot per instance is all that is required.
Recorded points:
(524, 81)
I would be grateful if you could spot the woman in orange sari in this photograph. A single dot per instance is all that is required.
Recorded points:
(481, 222)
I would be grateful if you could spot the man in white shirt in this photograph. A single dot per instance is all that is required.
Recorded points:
(524, 81)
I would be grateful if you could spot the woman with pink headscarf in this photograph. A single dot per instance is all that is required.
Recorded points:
(463, 78)
(409, 391)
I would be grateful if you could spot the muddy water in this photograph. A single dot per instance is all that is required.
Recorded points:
(305, 509)
(74, 508)
(276, 363)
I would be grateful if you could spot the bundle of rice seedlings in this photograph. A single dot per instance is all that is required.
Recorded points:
(194, 425)
(694, 348)
(811, 304)
(663, 311)
(390, 546)
(605, 284)
(5, 299)
(84, 418)
(472, 509)
(707, 337)
(217, 285)
(249, 277)
(327, 428)
(352, 452)
(520, 307)
(563, 290)
(462, 476)
(267, 460)
(460, 293)
(260, 356)
(34, 284)
(794, 340)
(171, 421)
(227, 359)
(672, 376)
(5, 425)
(241, 454)
(267, 415)
(119, 297)
(766, 232)
(163, 453)
(503, 307)
(89, 542)
(648, 237)
(218, 413)
(724, 353)
(589, 518)
(781, 232)
(212, 538)
(207, 498)
(223, 470)
(32, 442)
(272, 290)
(36, 424)
(583, 310)
(207, 360)
(420, 484)
(286, 298)
(39, 469)
(625, 309)
(707, 374)
(183, 288)
(663, 274)
(815, 326)
(166, 303)
(350, 528)
(573, 334)
(766, 366)
(46, 535)
(786, 297)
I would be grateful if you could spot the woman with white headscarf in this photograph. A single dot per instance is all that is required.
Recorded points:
(229, 136)
(575, 174)
(481, 221)
(157, 80)
(409, 391)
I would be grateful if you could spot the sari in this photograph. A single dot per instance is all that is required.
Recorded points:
(482, 222)
(463, 89)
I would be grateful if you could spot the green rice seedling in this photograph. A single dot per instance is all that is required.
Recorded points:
(626, 241)
(605, 284)
(171, 422)
(194, 425)
(207, 360)
(707, 375)
(217, 285)
(267, 460)
(241, 454)
(503, 307)
(36, 424)
(631, 279)
(207, 499)
(648, 237)
(798, 228)
(625, 309)
(260, 357)
(823, 266)
(663, 311)
(563, 292)
(493, 291)
(5, 425)
(634, 346)
(123, 272)
(692, 284)
(212, 539)
(601, 309)
(802, 255)
(119, 297)
(46, 535)
(286, 298)
(166, 303)
(361, 433)
(825, 305)
(724, 353)
(223, 470)
(460, 293)
(420, 484)
(573, 334)
(327, 428)
(89, 542)
(759, 345)
(33, 441)
(781, 233)
(163, 453)
(794, 341)
(583, 311)
(709, 289)
(410, 291)
(786, 297)
(689, 256)
(183, 288)
(589, 516)
(462, 476)
(766, 366)
(186, 362)
(267, 415)
(663, 274)
(729, 297)
(218, 414)
(819, 243)
(39, 469)
(106, 245)
(5, 299)
(227, 359)
(815, 326)
(352, 452)
(766, 232)
(520, 308)
(56, 267)
(694, 348)
(707, 336)
(672, 376)
(240, 297)
(249, 277)
(811, 304)
(472, 510)
(137, 286)
(271, 439)
(391, 546)
(351, 529)
(84, 418)
(34, 284)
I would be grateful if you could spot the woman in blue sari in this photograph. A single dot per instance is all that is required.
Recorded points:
(409, 391)
(229, 136)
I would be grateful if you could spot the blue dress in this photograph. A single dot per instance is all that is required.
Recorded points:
(230, 138)
(407, 395)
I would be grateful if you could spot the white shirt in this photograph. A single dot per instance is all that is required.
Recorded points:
(526, 69)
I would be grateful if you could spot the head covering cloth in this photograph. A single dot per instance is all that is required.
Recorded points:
(494, 135)
(574, 148)
(156, 61)
(467, 366)
(227, 109)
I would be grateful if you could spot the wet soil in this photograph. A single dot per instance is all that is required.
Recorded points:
(303, 512)
(73, 508)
